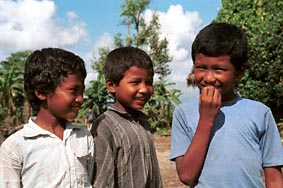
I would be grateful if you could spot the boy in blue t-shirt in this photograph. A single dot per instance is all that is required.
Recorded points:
(224, 140)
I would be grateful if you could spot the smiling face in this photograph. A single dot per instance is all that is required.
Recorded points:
(66, 100)
(134, 90)
(217, 72)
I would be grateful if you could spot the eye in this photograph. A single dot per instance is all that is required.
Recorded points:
(76, 90)
(220, 69)
(72, 90)
(200, 67)
(134, 82)
(149, 82)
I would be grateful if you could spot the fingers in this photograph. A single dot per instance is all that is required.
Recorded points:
(210, 102)
(211, 95)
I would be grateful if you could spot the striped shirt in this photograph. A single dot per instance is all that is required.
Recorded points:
(125, 155)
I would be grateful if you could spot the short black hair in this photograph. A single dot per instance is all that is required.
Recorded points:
(218, 39)
(119, 60)
(45, 69)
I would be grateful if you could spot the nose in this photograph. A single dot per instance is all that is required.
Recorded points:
(209, 77)
(79, 99)
(144, 88)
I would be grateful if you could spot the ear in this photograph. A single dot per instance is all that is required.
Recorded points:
(241, 72)
(40, 95)
(111, 87)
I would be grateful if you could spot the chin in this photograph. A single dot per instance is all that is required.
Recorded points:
(72, 116)
(137, 107)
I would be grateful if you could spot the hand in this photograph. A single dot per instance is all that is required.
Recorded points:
(210, 103)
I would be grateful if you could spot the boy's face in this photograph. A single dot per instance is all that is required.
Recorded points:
(134, 90)
(217, 72)
(67, 98)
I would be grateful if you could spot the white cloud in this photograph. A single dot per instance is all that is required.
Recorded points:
(180, 28)
(106, 40)
(31, 24)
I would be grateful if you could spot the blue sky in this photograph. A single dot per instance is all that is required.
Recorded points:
(83, 26)
(103, 15)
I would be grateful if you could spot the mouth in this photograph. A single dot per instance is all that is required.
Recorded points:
(76, 108)
(212, 86)
(141, 100)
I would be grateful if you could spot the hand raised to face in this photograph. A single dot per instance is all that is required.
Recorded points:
(209, 102)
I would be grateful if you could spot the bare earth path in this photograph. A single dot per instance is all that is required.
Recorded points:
(167, 168)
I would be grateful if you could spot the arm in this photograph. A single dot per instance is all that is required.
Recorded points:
(272, 153)
(273, 177)
(10, 167)
(104, 165)
(190, 165)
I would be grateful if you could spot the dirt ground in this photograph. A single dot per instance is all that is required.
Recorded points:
(167, 168)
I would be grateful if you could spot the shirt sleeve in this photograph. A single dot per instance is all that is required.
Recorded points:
(272, 150)
(104, 157)
(182, 133)
(10, 166)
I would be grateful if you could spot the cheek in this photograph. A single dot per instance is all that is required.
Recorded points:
(228, 78)
(197, 77)
(150, 90)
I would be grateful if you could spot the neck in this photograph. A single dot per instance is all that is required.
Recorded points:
(51, 124)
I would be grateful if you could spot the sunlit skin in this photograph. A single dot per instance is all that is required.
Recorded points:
(216, 73)
(134, 90)
(61, 105)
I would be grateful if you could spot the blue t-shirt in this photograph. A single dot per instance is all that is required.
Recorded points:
(244, 139)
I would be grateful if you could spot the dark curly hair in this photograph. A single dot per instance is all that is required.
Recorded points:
(46, 68)
(218, 39)
(121, 59)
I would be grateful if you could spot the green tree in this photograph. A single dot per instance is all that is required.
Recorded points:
(97, 96)
(144, 36)
(98, 64)
(12, 98)
(147, 37)
(161, 106)
(263, 22)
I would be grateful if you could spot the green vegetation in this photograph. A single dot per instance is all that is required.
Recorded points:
(263, 22)
(145, 36)
(13, 105)
(263, 80)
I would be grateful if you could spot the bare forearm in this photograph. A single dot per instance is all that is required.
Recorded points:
(273, 177)
(190, 165)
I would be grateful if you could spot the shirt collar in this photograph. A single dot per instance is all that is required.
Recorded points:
(233, 101)
(140, 115)
(31, 129)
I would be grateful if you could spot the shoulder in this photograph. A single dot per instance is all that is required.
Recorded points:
(104, 123)
(188, 107)
(17, 134)
(250, 105)
(250, 110)
(14, 142)
(79, 130)
(106, 118)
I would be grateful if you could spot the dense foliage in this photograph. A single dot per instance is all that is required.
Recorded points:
(263, 22)
(14, 108)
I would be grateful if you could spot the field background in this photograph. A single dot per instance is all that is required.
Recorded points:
(167, 168)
